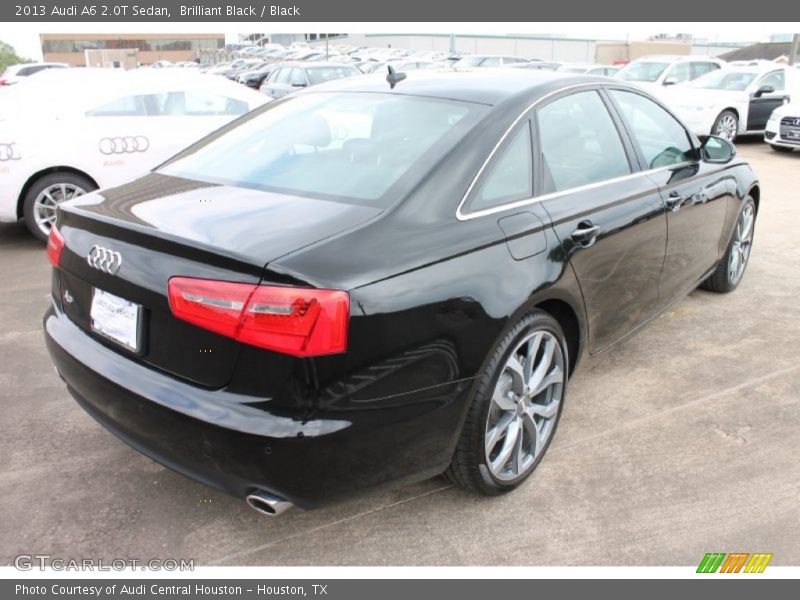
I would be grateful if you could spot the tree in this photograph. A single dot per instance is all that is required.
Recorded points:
(8, 56)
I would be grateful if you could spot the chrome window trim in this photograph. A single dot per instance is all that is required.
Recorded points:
(462, 216)
(552, 195)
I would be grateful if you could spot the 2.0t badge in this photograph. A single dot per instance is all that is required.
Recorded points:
(105, 260)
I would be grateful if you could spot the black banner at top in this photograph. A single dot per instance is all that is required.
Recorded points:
(442, 11)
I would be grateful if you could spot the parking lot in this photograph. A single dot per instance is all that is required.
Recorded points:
(681, 440)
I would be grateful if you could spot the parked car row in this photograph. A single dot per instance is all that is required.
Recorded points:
(710, 95)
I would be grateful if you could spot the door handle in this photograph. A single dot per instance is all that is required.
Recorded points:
(675, 200)
(586, 233)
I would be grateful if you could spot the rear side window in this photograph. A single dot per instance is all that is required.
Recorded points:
(127, 106)
(579, 142)
(510, 178)
(204, 104)
(662, 139)
(171, 104)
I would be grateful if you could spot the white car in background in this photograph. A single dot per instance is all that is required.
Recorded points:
(67, 132)
(655, 73)
(783, 128)
(16, 73)
(733, 101)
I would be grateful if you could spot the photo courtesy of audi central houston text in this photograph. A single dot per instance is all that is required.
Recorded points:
(377, 279)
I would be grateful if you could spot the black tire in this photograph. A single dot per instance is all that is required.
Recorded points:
(51, 179)
(725, 114)
(720, 280)
(781, 148)
(468, 467)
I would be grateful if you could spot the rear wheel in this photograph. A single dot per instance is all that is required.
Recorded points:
(729, 272)
(515, 408)
(781, 148)
(39, 205)
(726, 125)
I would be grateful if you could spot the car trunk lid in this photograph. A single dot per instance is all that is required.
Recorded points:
(159, 227)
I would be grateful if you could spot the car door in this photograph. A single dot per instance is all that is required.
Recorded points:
(278, 84)
(763, 102)
(700, 68)
(298, 80)
(119, 140)
(696, 193)
(609, 218)
(187, 115)
(679, 73)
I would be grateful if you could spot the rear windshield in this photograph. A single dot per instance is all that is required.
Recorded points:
(348, 146)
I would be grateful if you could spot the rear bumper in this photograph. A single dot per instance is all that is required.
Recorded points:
(219, 439)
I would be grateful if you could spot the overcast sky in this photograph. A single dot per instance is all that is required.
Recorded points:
(27, 42)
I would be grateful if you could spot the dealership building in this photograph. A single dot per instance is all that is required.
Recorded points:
(146, 47)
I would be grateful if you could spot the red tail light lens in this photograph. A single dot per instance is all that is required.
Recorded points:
(55, 244)
(297, 321)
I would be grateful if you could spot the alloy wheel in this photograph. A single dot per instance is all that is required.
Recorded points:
(44, 207)
(742, 241)
(525, 406)
(726, 127)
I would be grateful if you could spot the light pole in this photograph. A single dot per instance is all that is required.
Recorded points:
(793, 51)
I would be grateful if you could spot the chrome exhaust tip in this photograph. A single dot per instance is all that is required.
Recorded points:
(268, 504)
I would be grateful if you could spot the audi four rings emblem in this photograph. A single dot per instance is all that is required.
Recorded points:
(105, 260)
(9, 152)
(127, 144)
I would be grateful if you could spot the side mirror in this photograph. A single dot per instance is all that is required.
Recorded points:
(764, 89)
(670, 80)
(718, 150)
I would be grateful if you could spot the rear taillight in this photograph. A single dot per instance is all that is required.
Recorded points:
(297, 321)
(55, 244)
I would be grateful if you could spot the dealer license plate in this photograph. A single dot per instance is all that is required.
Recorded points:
(116, 319)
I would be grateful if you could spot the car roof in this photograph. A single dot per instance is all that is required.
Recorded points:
(482, 86)
(91, 87)
(311, 65)
(676, 57)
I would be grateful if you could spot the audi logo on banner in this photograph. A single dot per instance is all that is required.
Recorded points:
(105, 260)
(124, 144)
(9, 152)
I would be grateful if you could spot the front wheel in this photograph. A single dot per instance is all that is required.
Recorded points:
(729, 272)
(515, 408)
(42, 198)
(726, 126)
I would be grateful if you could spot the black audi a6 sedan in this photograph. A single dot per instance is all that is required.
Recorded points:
(365, 284)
